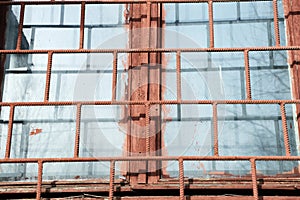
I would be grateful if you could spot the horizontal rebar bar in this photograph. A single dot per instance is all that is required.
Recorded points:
(118, 1)
(161, 102)
(146, 158)
(167, 50)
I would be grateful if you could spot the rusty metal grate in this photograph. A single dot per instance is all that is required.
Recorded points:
(179, 101)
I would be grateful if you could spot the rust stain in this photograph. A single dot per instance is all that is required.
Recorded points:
(35, 131)
(144, 83)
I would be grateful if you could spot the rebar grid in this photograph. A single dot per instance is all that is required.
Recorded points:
(214, 103)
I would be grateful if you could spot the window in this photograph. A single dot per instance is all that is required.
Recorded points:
(145, 92)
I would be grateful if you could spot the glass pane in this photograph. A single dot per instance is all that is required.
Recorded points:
(25, 77)
(43, 132)
(244, 127)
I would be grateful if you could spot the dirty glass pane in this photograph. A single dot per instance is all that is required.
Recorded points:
(18, 172)
(46, 131)
(76, 170)
(245, 126)
(269, 74)
(77, 77)
(187, 131)
(103, 131)
(46, 27)
(216, 169)
(25, 77)
(278, 168)
(244, 24)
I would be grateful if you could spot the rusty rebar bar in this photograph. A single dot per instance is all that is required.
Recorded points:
(147, 107)
(178, 75)
(247, 75)
(151, 102)
(82, 21)
(285, 130)
(111, 179)
(151, 50)
(114, 76)
(48, 76)
(39, 180)
(181, 179)
(150, 158)
(10, 131)
(20, 27)
(77, 135)
(276, 23)
(50, 2)
(215, 126)
(254, 178)
(211, 24)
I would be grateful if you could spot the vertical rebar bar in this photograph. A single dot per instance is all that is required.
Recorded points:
(115, 76)
(276, 23)
(82, 21)
(48, 76)
(285, 130)
(20, 27)
(215, 124)
(39, 181)
(147, 107)
(178, 75)
(10, 130)
(254, 177)
(181, 179)
(247, 74)
(211, 24)
(111, 179)
(77, 136)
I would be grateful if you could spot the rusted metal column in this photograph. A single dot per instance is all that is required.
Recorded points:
(144, 75)
(292, 19)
